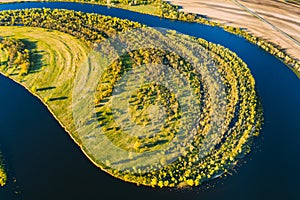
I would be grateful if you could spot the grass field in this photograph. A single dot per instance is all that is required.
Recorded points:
(150, 9)
(55, 58)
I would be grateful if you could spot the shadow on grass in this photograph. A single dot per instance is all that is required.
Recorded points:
(35, 56)
(45, 88)
(58, 98)
(14, 74)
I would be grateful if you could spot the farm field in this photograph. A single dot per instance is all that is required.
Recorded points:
(275, 21)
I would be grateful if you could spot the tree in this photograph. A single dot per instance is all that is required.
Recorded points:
(24, 68)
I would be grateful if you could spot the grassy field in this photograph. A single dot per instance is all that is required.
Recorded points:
(150, 9)
(55, 58)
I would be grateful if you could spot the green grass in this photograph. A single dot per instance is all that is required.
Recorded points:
(150, 9)
(55, 58)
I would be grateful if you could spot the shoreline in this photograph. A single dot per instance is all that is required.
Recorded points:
(255, 21)
(275, 21)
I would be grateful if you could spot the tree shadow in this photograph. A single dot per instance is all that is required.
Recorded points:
(58, 98)
(35, 56)
(45, 88)
(14, 74)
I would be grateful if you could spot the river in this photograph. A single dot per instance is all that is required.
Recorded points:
(44, 163)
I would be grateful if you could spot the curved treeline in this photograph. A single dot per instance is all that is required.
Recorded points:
(242, 119)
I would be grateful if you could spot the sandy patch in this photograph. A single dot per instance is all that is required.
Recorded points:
(277, 15)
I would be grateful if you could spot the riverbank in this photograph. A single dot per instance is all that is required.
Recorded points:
(274, 21)
(59, 62)
(3, 176)
(231, 16)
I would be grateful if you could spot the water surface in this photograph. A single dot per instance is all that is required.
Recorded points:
(47, 164)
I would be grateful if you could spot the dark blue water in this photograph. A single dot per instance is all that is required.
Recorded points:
(48, 165)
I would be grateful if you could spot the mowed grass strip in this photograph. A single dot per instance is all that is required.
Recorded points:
(55, 57)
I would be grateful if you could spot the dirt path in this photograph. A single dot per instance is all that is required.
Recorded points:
(273, 20)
